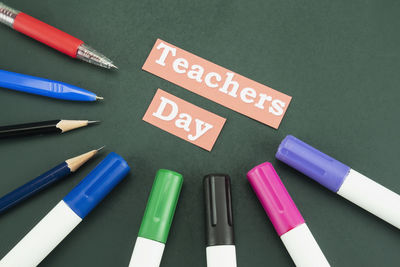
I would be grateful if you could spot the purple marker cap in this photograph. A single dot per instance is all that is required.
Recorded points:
(322, 168)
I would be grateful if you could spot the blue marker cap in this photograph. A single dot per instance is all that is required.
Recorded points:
(91, 190)
(322, 168)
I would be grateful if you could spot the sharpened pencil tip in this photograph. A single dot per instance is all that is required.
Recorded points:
(100, 148)
(93, 122)
(99, 98)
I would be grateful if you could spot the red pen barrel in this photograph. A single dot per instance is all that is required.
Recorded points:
(47, 34)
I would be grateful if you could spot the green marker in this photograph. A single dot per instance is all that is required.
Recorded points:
(157, 220)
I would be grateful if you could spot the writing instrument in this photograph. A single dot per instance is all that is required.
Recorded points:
(44, 87)
(286, 218)
(67, 214)
(157, 220)
(341, 179)
(52, 37)
(44, 127)
(45, 180)
(220, 239)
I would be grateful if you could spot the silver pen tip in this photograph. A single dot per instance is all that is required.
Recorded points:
(99, 98)
(88, 54)
(112, 66)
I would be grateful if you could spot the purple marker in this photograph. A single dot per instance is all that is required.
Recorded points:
(341, 179)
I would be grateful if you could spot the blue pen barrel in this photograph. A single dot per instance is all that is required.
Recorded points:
(34, 186)
(44, 87)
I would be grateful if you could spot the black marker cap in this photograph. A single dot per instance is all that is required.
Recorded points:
(219, 218)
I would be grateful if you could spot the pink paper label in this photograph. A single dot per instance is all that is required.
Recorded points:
(216, 83)
(185, 120)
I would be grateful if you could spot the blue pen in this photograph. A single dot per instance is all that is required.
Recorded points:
(46, 179)
(44, 87)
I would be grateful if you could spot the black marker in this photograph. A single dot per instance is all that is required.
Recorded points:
(220, 239)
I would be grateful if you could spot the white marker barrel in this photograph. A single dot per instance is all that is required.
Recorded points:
(221, 256)
(303, 248)
(372, 197)
(147, 253)
(43, 238)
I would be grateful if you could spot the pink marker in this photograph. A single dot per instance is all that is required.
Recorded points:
(286, 218)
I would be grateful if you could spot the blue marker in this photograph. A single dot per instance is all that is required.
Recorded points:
(45, 180)
(44, 87)
(67, 214)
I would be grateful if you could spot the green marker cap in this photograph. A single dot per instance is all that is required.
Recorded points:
(161, 206)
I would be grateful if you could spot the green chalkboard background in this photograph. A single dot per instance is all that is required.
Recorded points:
(338, 59)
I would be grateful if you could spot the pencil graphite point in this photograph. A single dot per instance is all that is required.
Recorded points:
(93, 122)
(76, 162)
(100, 148)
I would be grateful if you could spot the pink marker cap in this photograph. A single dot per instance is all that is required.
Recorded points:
(274, 197)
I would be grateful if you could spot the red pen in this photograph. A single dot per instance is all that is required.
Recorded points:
(52, 37)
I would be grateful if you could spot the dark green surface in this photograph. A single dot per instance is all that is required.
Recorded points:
(338, 59)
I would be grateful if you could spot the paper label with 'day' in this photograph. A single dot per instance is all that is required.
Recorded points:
(216, 83)
(183, 119)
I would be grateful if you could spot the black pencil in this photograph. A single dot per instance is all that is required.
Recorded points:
(44, 127)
